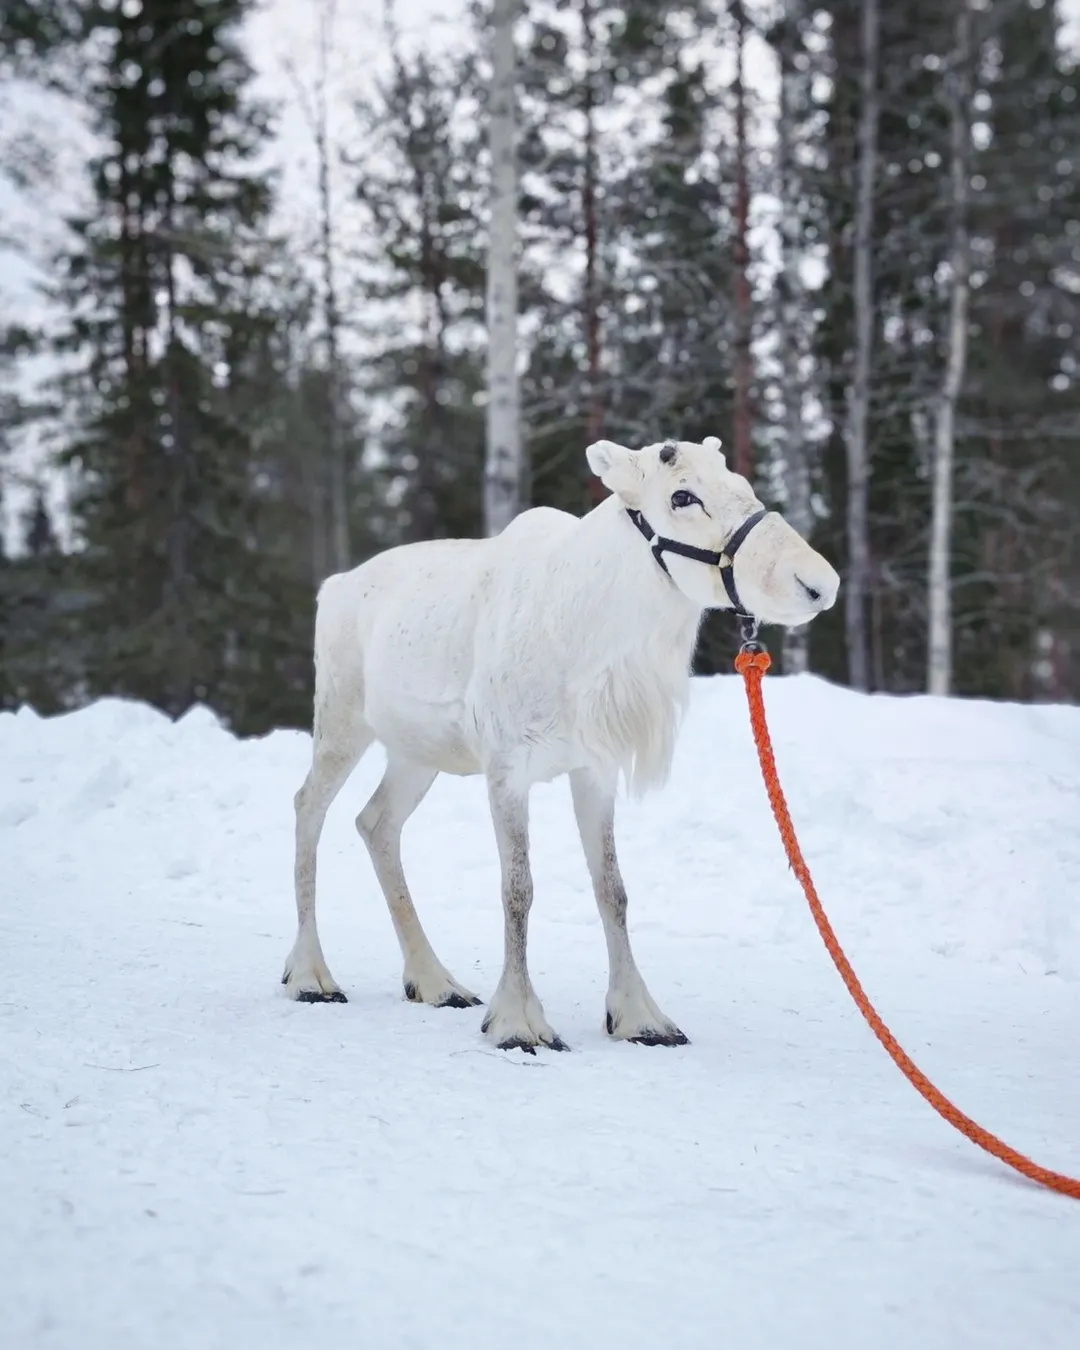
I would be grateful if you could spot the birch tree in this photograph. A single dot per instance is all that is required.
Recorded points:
(328, 476)
(422, 256)
(338, 475)
(857, 581)
(504, 475)
(939, 659)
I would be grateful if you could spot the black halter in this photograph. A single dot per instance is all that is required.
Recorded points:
(725, 560)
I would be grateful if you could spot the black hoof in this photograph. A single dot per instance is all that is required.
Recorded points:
(516, 1043)
(317, 996)
(457, 1001)
(650, 1037)
(452, 1000)
(655, 1038)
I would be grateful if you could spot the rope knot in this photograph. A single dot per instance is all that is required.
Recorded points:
(750, 659)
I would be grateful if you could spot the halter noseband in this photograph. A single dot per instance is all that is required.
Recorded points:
(724, 560)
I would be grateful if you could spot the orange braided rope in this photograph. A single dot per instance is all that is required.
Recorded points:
(752, 663)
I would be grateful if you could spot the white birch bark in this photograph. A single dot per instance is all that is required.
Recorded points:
(504, 467)
(328, 478)
(940, 637)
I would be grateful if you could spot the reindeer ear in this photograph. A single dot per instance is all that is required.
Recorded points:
(620, 469)
(713, 443)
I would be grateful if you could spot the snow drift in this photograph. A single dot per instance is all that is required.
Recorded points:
(189, 1160)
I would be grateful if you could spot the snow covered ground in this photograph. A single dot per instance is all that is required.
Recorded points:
(187, 1160)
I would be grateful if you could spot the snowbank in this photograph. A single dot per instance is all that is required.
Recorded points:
(189, 1160)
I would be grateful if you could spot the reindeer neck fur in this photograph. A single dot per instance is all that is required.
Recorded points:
(638, 633)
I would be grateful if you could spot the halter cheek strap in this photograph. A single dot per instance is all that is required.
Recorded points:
(725, 560)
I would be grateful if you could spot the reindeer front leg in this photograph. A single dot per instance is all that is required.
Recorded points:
(515, 1019)
(631, 1013)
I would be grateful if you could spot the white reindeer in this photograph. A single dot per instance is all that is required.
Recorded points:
(561, 646)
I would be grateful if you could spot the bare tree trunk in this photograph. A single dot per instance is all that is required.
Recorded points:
(939, 657)
(328, 479)
(337, 476)
(743, 437)
(424, 506)
(314, 481)
(857, 582)
(132, 255)
(176, 453)
(504, 471)
(796, 465)
(594, 418)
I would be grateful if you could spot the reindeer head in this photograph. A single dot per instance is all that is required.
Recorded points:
(683, 497)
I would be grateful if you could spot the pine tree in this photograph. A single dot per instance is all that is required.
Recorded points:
(611, 208)
(909, 241)
(41, 539)
(1013, 543)
(672, 350)
(1017, 615)
(36, 664)
(13, 340)
(162, 292)
(32, 667)
(31, 31)
(422, 193)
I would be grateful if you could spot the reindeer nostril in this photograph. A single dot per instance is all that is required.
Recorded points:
(812, 592)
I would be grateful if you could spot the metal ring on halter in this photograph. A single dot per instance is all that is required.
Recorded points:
(748, 631)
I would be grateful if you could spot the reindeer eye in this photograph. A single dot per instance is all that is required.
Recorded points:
(684, 498)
